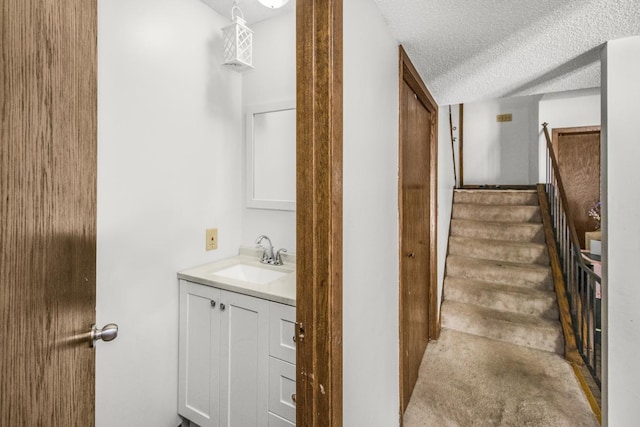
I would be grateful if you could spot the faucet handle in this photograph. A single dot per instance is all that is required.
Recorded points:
(279, 256)
(267, 254)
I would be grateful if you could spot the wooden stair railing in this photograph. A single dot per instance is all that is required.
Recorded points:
(577, 286)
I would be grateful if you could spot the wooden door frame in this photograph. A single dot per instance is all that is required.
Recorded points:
(319, 213)
(410, 76)
(556, 132)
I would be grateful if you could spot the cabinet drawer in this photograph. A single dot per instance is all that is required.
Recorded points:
(282, 322)
(282, 388)
(276, 421)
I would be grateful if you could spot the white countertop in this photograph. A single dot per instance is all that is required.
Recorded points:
(282, 290)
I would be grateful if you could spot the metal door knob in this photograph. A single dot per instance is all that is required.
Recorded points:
(108, 332)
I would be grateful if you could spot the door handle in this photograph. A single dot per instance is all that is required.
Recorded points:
(108, 332)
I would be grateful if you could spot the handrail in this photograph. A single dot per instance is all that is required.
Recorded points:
(461, 143)
(581, 283)
(573, 235)
(453, 151)
(571, 352)
(563, 195)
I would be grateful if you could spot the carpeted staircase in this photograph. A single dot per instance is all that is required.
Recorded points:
(498, 281)
(498, 360)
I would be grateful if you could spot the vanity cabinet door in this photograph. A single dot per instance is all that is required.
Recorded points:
(199, 355)
(244, 361)
(282, 390)
(276, 421)
(282, 324)
(224, 362)
(282, 368)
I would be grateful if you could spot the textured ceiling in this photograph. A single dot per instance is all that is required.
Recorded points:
(252, 10)
(468, 50)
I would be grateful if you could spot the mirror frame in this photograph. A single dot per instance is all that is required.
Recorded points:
(252, 202)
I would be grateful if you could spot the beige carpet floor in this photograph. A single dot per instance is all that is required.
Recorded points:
(468, 380)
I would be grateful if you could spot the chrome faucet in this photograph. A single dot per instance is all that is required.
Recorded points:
(279, 256)
(267, 255)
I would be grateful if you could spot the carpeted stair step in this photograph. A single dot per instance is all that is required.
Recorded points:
(520, 329)
(496, 197)
(506, 273)
(515, 299)
(515, 232)
(499, 250)
(468, 380)
(496, 213)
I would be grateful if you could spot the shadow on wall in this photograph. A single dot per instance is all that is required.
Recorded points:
(588, 58)
(501, 152)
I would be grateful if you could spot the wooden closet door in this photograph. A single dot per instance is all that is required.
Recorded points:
(415, 237)
(48, 211)
(578, 154)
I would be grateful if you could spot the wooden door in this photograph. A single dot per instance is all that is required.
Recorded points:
(47, 211)
(417, 230)
(578, 154)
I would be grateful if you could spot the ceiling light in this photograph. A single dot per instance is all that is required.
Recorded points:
(273, 4)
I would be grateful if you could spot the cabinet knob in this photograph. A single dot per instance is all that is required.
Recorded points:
(222, 306)
(213, 303)
(294, 338)
(411, 255)
(293, 398)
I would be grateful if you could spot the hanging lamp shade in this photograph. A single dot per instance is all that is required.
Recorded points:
(273, 4)
(238, 43)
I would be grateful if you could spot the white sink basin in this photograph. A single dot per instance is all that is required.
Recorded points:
(249, 273)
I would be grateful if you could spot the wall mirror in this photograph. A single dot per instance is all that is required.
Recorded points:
(271, 156)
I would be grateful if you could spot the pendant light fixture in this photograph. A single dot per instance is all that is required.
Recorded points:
(273, 4)
(238, 41)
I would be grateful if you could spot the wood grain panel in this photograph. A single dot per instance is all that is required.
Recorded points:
(48, 209)
(418, 224)
(319, 213)
(414, 238)
(578, 153)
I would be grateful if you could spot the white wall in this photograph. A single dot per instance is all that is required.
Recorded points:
(169, 162)
(370, 238)
(514, 152)
(499, 153)
(272, 80)
(562, 110)
(621, 231)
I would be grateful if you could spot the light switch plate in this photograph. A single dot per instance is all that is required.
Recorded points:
(212, 239)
